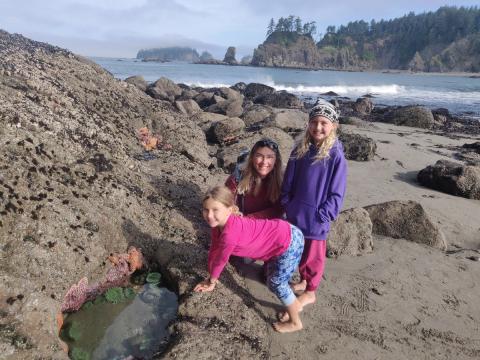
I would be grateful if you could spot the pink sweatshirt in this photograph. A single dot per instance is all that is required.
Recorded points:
(254, 238)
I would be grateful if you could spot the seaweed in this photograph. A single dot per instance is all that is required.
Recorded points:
(99, 300)
(87, 305)
(79, 354)
(73, 331)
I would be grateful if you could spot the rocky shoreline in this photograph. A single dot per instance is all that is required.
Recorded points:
(76, 185)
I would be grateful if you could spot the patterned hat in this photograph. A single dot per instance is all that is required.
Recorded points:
(325, 109)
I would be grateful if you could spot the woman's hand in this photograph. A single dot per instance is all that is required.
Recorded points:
(205, 285)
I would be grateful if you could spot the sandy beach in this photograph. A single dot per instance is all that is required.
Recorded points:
(404, 300)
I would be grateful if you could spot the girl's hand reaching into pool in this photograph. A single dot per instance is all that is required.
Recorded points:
(205, 285)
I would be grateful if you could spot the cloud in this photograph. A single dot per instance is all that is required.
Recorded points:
(241, 23)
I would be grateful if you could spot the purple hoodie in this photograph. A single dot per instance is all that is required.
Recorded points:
(312, 194)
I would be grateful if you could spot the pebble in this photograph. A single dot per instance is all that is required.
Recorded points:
(473, 258)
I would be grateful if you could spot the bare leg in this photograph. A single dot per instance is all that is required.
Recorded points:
(294, 323)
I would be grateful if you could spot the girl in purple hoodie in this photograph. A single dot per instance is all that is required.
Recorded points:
(312, 192)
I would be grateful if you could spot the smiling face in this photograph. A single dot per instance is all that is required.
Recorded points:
(215, 213)
(263, 161)
(319, 128)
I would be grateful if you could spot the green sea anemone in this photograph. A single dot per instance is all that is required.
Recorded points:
(114, 295)
(154, 278)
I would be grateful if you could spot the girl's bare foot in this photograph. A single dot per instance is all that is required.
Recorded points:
(308, 297)
(286, 327)
(283, 316)
(299, 287)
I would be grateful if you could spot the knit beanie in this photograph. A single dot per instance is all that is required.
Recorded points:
(325, 109)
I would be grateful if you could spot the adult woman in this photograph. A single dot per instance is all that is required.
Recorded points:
(257, 187)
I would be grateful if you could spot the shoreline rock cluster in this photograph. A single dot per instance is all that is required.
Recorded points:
(75, 187)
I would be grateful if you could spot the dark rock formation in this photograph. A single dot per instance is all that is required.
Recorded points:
(414, 116)
(363, 106)
(297, 51)
(452, 178)
(253, 90)
(357, 147)
(230, 56)
(407, 220)
(164, 89)
(280, 99)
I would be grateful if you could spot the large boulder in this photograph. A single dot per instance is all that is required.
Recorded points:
(363, 106)
(414, 116)
(230, 127)
(187, 94)
(351, 233)
(229, 93)
(164, 89)
(279, 99)
(358, 147)
(452, 178)
(254, 90)
(407, 220)
(187, 107)
(289, 120)
(206, 120)
(138, 81)
(240, 87)
(205, 98)
(256, 114)
(230, 108)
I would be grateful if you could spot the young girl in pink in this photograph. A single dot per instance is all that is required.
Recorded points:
(312, 192)
(274, 241)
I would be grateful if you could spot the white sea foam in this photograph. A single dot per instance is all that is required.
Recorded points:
(345, 90)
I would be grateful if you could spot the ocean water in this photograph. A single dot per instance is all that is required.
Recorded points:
(459, 94)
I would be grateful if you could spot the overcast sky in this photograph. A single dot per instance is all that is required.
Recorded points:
(119, 28)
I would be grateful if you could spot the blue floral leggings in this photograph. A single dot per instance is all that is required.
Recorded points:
(281, 268)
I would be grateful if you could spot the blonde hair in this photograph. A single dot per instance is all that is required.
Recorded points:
(323, 150)
(223, 195)
(249, 174)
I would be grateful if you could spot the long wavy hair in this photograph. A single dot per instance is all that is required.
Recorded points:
(250, 178)
(323, 149)
(223, 195)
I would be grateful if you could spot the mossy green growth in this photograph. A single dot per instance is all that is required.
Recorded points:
(87, 305)
(73, 331)
(100, 299)
(79, 354)
(153, 278)
(115, 295)
(129, 293)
